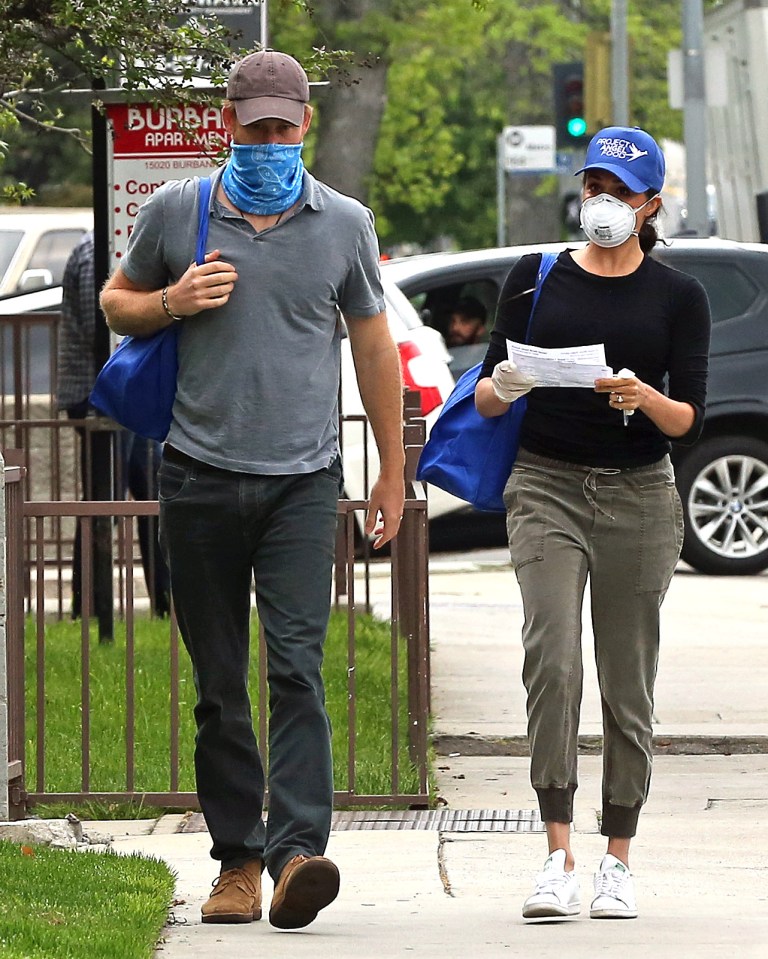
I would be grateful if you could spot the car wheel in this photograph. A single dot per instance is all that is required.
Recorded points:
(723, 484)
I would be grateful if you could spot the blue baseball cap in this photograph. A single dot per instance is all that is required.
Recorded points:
(629, 153)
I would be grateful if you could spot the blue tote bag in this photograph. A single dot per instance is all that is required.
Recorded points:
(469, 455)
(136, 387)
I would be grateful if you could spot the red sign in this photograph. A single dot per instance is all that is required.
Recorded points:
(151, 144)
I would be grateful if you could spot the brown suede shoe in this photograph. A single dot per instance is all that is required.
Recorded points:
(236, 895)
(306, 886)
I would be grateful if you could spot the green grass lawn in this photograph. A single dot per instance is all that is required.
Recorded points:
(59, 904)
(108, 731)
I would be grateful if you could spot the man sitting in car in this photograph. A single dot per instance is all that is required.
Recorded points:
(466, 324)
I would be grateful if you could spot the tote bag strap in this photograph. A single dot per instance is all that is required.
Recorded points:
(548, 260)
(203, 215)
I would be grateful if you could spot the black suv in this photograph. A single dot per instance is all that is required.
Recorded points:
(722, 479)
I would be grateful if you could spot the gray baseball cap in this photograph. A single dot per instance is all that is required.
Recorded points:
(268, 84)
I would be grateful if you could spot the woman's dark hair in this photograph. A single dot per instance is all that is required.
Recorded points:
(649, 235)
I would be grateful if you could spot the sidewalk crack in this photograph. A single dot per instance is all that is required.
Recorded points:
(442, 866)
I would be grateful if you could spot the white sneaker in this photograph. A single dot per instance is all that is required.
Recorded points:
(614, 891)
(556, 893)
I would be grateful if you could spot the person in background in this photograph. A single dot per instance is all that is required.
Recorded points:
(592, 497)
(251, 473)
(136, 459)
(466, 324)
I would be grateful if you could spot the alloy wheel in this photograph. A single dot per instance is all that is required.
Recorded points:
(728, 506)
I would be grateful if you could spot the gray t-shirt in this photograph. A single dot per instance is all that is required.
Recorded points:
(259, 377)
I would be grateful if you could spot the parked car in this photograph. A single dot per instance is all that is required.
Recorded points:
(424, 363)
(722, 479)
(423, 359)
(35, 243)
(32, 373)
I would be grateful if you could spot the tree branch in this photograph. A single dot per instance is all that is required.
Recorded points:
(73, 132)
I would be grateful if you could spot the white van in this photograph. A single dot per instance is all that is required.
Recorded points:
(35, 243)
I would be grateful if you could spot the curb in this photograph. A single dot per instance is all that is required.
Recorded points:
(473, 745)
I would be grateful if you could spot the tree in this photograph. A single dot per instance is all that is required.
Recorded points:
(462, 87)
(381, 39)
(410, 124)
(50, 46)
(418, 90)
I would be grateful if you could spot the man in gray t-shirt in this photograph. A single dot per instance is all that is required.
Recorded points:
(251, 474)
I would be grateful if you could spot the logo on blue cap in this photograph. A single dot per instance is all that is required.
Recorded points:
(623, 149)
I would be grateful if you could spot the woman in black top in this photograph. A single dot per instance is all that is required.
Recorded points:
(592, 496)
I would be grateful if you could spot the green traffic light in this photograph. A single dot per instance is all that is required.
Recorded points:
(577, 126)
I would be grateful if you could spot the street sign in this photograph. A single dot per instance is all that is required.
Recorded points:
(246, 19)
(529, 149)
(149, 145)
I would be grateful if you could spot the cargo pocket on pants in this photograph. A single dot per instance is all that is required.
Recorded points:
(525, 523)
(661, 536)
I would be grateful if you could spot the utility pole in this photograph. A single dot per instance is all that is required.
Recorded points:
(619, 64)
(694, 117)
(501, 193)
(263, 24)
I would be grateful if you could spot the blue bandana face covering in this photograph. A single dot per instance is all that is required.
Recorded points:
(264, 178)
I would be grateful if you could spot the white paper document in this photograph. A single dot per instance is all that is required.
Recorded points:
(569, 366)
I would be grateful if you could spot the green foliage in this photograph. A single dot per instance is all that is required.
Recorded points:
(459, 71)
(16, 192)
(51, 46)
(482, 69)
(57, 167)
(111, 730)
(60, 904)
(479, 71)
(68, 42)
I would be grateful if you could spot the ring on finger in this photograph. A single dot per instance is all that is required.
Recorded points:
(619, 398)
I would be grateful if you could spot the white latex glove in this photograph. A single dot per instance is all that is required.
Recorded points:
(509, 383)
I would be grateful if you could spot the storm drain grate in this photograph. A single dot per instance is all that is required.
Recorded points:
(447, 820)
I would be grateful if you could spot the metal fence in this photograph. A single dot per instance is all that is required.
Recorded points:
(64, 458)
(31, 657)
(40, 639)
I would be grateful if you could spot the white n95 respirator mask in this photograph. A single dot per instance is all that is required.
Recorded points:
(608, 221)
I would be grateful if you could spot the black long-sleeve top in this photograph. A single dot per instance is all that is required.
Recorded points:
(654, 321)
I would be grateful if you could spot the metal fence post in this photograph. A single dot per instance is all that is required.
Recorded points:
(12, 628)
(412, 572)
(4, 808)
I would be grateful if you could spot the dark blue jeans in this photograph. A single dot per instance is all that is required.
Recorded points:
(220, 532)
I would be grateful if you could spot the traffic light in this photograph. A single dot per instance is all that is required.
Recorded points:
(570, 119)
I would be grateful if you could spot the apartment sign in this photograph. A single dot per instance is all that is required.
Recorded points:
(149, 145)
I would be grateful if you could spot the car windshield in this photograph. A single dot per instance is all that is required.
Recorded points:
(9, 243)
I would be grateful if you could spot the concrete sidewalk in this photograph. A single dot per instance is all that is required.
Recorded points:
(699, 858)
